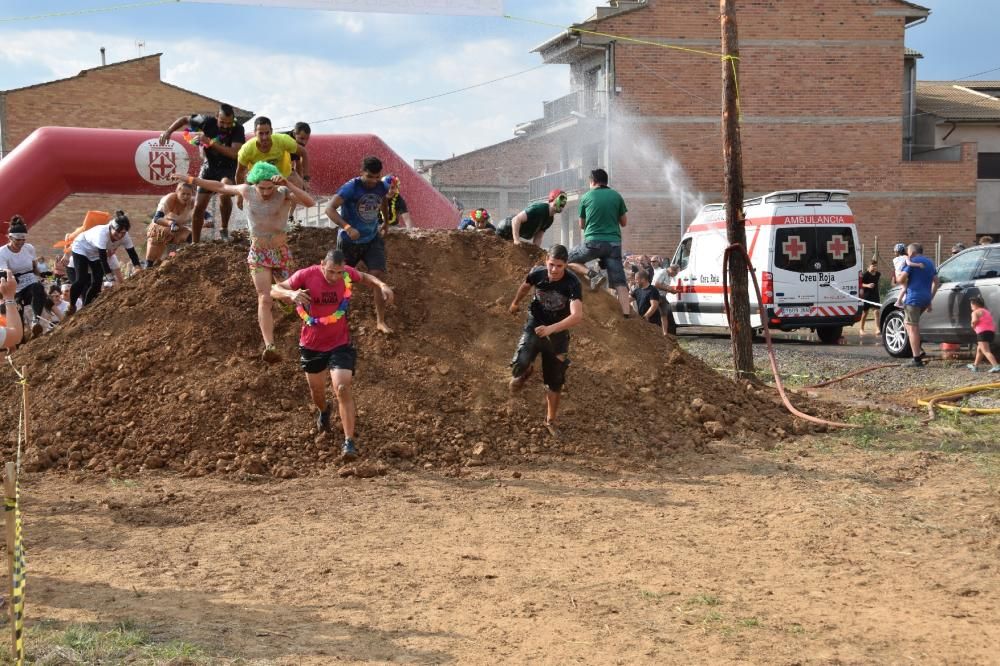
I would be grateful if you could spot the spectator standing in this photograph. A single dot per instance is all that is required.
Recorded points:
(920, 279)
(646, 298)
(664, 279)
(869, 292)
(12, 329)
(18, 256)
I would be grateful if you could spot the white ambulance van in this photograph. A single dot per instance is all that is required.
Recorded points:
(804, 247)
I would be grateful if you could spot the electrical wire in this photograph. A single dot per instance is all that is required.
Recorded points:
(429, 97)
(85, 12)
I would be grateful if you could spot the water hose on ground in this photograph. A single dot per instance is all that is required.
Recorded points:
(955, 394)
(736, 247)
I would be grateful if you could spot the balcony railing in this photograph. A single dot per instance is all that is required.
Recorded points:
(568, 180)
(559, 109)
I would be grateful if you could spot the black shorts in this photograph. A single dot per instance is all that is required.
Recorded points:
(986, 336)
(550, 348)
(339, 358)
(505, 229)
(371, 253)
(216, 173)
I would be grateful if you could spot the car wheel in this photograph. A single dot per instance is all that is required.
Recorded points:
(894, 337)
(830, 335)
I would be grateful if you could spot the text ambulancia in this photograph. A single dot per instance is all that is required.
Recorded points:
(803, 245)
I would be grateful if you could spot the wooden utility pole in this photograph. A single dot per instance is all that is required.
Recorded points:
(741, 332)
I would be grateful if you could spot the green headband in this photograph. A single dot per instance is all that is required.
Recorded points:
(262, 171)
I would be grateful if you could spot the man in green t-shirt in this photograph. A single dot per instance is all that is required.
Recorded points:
(532, 222)
(602, 215)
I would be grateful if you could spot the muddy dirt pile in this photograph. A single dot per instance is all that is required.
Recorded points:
(164, 373)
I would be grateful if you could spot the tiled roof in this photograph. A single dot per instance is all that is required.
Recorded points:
(960, 100)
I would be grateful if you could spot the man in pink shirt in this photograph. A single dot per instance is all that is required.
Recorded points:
(322, 295)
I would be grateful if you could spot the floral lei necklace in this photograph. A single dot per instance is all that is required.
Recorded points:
(330, 318)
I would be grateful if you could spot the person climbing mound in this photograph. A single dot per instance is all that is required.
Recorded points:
(322, 295)
(478, 220)
(171, 224)
(395, 207)
(358, 208)
(555, 308)
(268, 198)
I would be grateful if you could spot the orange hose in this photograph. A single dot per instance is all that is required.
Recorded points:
(767, 336)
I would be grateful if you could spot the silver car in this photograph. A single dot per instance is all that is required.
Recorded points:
(966, 274)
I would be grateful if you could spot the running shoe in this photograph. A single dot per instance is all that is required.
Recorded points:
(271, 354)
(916, 363)
(224, 234)
(995, 368)
(348, 451)
(323, 420)
(551, 427)
(36, 329)
(596, 280)
(973, 368)
(517, 383)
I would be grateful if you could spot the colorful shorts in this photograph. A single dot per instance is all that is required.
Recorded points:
(277, 260)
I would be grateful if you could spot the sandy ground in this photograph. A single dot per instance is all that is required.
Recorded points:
(816, 552)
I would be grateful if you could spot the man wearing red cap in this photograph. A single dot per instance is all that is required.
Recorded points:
(532, 222)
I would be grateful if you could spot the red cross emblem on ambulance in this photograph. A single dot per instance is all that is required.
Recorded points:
(794, 248)
(837, 247)
(162, 162)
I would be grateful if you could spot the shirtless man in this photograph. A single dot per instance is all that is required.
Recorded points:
(171, 223)
(267, 197)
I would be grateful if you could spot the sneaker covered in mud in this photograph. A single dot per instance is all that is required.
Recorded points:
(553, 431)
(224, 234)
(517, 383)
(348, 451)
(916, 363)
(323, 420)
(36, 329)
(271, 354)
(596, 280)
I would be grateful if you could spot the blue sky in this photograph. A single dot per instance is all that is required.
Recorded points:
(309, 65)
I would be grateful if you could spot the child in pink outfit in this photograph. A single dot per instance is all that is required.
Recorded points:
(982, 324)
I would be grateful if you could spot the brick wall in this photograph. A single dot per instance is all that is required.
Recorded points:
(820, 93)
(820, 89)
(126, 95)
(506, 164)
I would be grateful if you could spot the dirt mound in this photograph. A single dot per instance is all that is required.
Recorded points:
(164, 372)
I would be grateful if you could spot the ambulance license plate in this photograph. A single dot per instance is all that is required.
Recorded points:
(795, 312)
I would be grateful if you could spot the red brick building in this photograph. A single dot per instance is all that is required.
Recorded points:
(826, 92)
(122, 95)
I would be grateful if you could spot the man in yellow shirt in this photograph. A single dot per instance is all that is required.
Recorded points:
(275, 149)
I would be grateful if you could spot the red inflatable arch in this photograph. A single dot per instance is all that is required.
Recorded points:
(55, 162)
